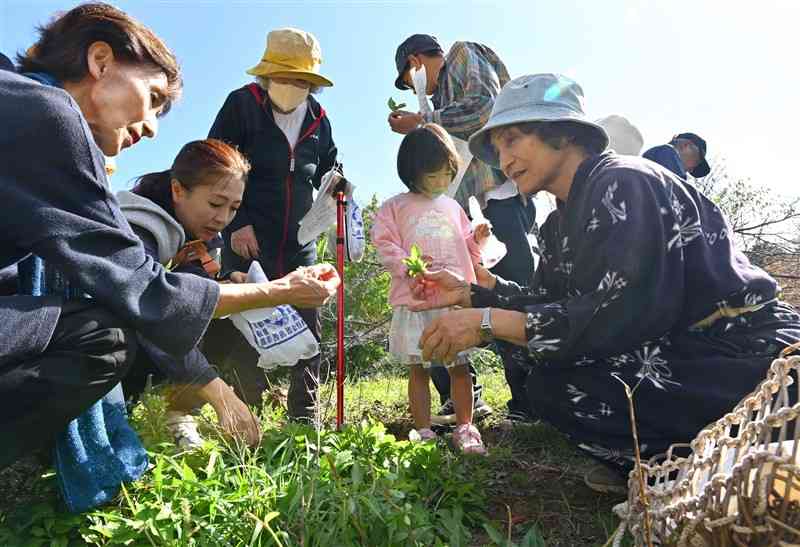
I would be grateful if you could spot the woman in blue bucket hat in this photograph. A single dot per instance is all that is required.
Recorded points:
(639, 281)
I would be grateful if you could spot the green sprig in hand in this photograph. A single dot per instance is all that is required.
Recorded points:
(415, 263)
(394, 107)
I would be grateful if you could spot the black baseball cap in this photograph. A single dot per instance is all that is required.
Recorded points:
(702, 168)
(413, 45)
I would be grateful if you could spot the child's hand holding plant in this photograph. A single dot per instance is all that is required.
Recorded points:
(415, 262)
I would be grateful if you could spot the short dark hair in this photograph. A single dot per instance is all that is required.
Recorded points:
(425, 150)
(559, 134)
(63, 46)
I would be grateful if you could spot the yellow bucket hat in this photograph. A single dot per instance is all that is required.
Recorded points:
(291, 53)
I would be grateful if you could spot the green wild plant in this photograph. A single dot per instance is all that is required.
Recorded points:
(415, 263)
(357, 487)
(393, 106)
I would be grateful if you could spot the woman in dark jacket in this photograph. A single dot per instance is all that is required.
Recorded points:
(639, 281)
(95, 82)
(286, 135)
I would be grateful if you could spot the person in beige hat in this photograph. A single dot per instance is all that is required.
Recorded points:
(623, 136)
(639, 281)
(285, 134)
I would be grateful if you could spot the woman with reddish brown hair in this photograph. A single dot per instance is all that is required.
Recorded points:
(95, 82)
(179, 214)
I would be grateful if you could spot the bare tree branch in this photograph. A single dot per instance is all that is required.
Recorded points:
(765, 223)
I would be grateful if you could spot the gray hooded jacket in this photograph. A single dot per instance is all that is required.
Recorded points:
(145, 214)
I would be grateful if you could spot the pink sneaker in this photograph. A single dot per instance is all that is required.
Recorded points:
(468, 440)
(422, 435)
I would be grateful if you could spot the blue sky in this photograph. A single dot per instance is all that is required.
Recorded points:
(726, 70)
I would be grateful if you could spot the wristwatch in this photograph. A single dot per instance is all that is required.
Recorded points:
(487, 332)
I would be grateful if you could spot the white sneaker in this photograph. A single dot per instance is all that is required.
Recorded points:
(422, 435)
(184, 430)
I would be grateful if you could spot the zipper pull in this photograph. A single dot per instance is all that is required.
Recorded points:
(291, 165)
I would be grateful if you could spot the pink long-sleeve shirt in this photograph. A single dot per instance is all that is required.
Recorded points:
(439, 227)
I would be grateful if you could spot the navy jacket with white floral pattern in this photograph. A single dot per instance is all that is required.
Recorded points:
(635, 253)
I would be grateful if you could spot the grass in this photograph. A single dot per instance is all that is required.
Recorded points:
(364, 486)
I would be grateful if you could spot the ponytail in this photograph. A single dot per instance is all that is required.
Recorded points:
(157, 187)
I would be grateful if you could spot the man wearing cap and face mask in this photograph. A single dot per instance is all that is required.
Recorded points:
(685, 153)
(286, 135)
(639, 281)
(463, 84)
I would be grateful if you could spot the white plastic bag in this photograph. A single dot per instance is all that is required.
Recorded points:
(420, 80)
(322, 214)
(322, 217)
(493, 250)
(280, 335)
(354, 239)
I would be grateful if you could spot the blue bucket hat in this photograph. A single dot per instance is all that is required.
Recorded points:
(532, 98)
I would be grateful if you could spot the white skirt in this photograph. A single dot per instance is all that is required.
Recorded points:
(405, 332)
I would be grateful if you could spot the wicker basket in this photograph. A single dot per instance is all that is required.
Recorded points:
(739, 484)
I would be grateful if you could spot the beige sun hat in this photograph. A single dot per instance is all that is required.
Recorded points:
(624, 137)
(291, 53)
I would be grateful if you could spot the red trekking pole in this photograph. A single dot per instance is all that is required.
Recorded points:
(341, 202)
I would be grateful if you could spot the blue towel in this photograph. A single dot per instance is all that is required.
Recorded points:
(97, 453)
(99, 450)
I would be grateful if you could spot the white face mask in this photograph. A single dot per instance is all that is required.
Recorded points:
(419, 78)
(286, 97)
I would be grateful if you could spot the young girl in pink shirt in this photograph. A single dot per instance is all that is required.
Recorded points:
(427, 162)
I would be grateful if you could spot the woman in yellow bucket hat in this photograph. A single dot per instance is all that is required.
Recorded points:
(291, 54)
(285, 134)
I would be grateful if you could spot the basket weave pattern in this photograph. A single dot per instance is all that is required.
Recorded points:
(739, 483)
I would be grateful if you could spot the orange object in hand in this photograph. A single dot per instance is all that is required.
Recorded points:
(193, 251)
